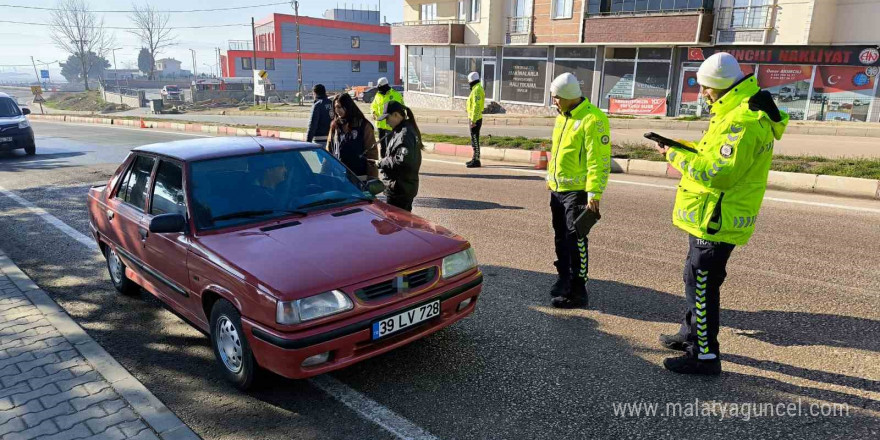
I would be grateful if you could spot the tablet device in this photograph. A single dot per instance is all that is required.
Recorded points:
(668, 142)
(584, 222)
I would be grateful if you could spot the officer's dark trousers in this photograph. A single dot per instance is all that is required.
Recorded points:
(571, 250)
(704, 272)
(383, 135)
(475, 138)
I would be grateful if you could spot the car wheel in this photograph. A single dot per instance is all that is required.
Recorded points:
(116, 268)
(30, 149)
(230, 345)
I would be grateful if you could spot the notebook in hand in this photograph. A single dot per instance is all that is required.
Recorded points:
(585, 222)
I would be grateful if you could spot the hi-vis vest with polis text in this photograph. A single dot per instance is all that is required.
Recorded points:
(581, 156)
(722, 186)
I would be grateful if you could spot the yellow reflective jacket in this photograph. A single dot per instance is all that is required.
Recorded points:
(581, 156)
(475, 103)
(723, 185)
(378, 106)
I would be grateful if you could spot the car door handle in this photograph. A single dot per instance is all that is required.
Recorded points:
(144, 233)
(110, 214)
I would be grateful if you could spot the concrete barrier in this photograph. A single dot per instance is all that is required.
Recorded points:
(791, 181)
(847, 186)
(619, 165)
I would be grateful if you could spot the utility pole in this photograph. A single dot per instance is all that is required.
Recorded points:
(254, 61)
(299, 61)
(38, 81)
(219, 71)
(116, 73)
(195, 75)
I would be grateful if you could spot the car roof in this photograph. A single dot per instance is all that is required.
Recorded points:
(217, 147)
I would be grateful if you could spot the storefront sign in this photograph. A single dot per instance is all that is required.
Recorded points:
(822, 55)
(523, 80)
(638, 106)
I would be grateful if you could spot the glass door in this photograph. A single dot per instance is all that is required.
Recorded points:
(489, 79)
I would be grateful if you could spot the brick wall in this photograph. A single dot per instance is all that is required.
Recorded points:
(549, 30)
(428, 34)
(653, 29)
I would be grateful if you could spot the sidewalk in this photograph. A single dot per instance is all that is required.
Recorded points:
(56, 382)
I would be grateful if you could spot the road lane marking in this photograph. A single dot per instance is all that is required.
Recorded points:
(370, 410)
(654, 185)
(367, 408)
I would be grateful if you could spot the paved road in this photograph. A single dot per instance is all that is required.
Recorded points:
(792, 144)
(799, 323)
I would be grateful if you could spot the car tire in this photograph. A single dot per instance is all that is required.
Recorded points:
(30, 149)
(116, 268)
(231, 348)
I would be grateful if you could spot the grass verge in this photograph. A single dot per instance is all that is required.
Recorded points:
(89, 101)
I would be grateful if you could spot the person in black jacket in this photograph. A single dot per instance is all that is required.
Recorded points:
(352, 139)
(322, 113)
(401, 165)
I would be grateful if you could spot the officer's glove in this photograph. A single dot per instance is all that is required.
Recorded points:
(763, 101)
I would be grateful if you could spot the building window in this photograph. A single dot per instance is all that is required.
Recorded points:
(428, 70)
(246, 63)
(474, 59)
(428, 12)
(475, 10)
(744, 14)
(580, 62)
(355, 42)
(523, 74)
(604, 7)
(562, 8)
(383, 66)
(355, 66)
(462, 10)
(270, 63)
(636, 81)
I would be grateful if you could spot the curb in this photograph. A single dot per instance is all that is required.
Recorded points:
(798, 182)
(153, 412)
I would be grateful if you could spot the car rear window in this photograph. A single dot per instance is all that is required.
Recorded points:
(8, 108)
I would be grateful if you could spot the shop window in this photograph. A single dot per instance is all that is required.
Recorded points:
(355, 66)
(355, 42)
(636, 81)
(383, 66)
(523, 75)
(580, 62)
(429, 70)
(463, 67)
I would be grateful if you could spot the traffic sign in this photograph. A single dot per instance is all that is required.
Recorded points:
(39, 99)
(44, 74)
(36, 90)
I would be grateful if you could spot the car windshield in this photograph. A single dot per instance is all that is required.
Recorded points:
(233, 191)
(171, 88)
(8, 108)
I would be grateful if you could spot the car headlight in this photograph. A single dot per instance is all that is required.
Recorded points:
(24, 124)
(459, 263)
(313, 307)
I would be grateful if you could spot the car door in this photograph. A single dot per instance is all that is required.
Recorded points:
(165, 254)
(126, 211)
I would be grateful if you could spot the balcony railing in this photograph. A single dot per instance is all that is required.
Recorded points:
(519, 25)
(427, 22)
(745, 18)
(241, 45)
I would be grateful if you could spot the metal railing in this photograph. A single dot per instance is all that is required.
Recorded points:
(428, 22)
(241, 45)
(519, 25)
(747, 17)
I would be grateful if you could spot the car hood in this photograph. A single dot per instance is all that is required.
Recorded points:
(329, 250)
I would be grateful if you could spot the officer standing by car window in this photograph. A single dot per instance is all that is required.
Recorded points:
(577, 175)
(401, 165)
(384, 93)
(475, 102)
(718, 199)
(322, 113)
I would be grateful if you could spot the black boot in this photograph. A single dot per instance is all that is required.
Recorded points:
(577, 297)
(688, 364)
(560, 288)
(674, 342)
(474, 163)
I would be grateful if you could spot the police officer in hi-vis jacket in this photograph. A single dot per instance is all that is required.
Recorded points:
(577, 174)
(718, 199)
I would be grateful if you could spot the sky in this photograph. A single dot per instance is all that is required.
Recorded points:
(18, 42)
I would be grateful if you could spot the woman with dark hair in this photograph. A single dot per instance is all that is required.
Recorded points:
(401, 165)
(352, 139)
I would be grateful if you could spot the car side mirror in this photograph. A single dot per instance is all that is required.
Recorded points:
(375, 186)
(25, 111)
(168, 223)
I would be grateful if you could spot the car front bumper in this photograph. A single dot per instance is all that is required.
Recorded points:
(21, 139)
(353, 342)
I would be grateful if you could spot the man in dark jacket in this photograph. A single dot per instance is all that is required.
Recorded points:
(404, 159)
(322, 114)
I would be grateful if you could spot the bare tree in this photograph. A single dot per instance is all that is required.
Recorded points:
(153, 31)
(80, 32)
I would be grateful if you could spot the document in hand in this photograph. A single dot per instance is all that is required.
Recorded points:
(585, 222)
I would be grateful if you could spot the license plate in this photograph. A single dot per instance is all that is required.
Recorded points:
(406, 319)
(2, 140)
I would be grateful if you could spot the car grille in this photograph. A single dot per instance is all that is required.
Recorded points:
(400, 284)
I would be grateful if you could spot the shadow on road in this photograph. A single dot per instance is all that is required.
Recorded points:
(484, 176)
(459, 204)
(17, 160)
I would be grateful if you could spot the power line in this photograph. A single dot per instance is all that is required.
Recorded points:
(130, 28)
(39, 8)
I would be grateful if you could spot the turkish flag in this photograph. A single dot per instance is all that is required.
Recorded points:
(833, 79)
(695, 54)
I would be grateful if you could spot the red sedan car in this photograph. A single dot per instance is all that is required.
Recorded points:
(279, 253)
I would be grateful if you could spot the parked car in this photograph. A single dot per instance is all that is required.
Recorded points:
(370, 93)
(787, 94)
(171, 93)
(15, 129)
(279, 253)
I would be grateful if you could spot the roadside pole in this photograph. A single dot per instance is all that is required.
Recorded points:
(299, 61)
(254, 61)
